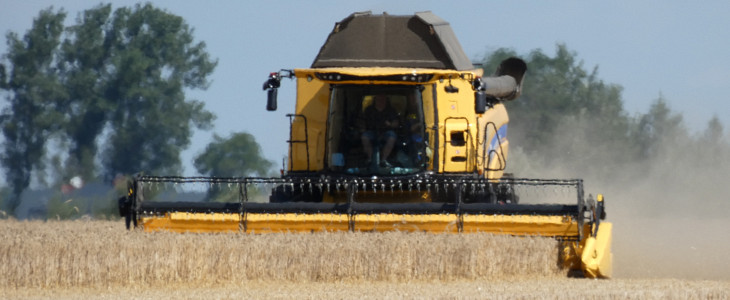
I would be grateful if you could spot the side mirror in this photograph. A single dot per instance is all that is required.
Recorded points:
(271, 86)
(480, 102)
(271, 99)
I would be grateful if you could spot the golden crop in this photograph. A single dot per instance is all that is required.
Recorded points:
(99, 259)
(102, 253)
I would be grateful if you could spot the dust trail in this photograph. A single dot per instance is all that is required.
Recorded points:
(670, 210)
(673, 228)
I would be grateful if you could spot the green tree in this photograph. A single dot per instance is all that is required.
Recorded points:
(85, 59)
(556, 88)
(569, 123)
(714, 130)
(712, 149)
(153, 60)
(34, 96)
(237, 156)
(658, 129)
(564, 110)
(123, 73)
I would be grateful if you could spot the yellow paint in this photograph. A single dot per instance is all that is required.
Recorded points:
(456, 113)
(271, 223)
(313, 101)
(596, 256)
(192, 222)
(458, 157)
(552, 226)
(490, 122)
(436, 223)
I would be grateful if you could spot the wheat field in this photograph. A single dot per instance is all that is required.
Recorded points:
(81, 259)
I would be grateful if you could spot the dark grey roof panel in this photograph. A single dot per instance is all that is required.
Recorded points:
(422, 40)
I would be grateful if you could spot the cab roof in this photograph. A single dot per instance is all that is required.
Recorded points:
(422, 40)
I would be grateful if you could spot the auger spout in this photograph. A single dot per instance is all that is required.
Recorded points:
(507, 82)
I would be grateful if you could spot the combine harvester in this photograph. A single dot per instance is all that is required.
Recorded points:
(394, 130)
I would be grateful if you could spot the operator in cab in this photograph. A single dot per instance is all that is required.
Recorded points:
(379, 123)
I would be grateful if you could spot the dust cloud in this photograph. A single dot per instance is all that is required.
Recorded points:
(672, 222)
(669, 210)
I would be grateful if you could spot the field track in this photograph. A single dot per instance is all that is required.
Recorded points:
(78, 259)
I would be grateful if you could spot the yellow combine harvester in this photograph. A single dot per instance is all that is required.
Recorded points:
(394, 129)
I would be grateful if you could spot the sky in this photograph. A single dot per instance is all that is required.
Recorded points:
(677, 49)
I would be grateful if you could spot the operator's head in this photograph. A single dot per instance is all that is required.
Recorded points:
(412, 101)
(381, 101)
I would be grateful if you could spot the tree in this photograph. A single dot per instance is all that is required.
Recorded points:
(658, 129)
(153, 59)
(237, 156)
(32, 115)
(85, 59)
(570, 123)
(556, 88)
(714, 131)
(565, 110)
(115, 78)
(711, 149)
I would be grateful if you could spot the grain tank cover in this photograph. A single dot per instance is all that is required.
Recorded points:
(422, 40)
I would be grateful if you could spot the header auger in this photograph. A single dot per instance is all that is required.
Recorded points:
(393, 129)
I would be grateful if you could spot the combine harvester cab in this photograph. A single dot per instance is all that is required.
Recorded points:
(394, 129)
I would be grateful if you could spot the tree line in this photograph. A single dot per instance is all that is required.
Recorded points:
(568, 116)
(570, 123)
(104, 97)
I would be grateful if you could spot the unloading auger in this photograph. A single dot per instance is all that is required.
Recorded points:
(394, 129)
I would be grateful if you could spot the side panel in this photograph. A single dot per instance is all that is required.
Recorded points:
(312, 102)
(597, 259)
(493, 142)
(456, 126)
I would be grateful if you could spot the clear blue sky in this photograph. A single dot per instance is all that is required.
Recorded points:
(680, 49)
